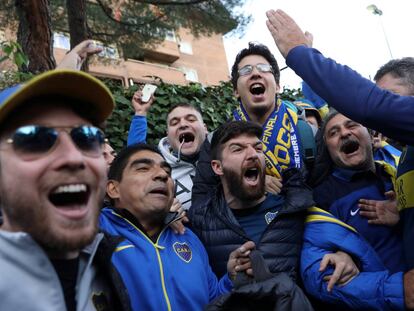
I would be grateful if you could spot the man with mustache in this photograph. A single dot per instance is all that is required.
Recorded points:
(350, 174)
(381, 110)
(161, 269)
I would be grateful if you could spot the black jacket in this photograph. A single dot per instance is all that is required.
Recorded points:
(281, 243)
(264, 292)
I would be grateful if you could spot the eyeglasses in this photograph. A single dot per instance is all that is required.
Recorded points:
(246, 70)
(34, 141)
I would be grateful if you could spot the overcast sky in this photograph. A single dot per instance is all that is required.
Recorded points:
(343, 30)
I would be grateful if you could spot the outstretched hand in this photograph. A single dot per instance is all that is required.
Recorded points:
(345, 269)
(239, 260)
(383, 212)
(77, 56)
(286, 32)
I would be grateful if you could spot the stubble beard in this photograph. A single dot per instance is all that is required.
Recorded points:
(34, 220)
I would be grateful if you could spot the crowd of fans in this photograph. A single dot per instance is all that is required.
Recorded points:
(287, 206)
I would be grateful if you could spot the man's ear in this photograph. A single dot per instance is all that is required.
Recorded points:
(112, 189)
(205, 128)
(277, 88)
(236, 94)
(217, 167)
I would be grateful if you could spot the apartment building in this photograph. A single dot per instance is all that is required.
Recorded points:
(180, 59)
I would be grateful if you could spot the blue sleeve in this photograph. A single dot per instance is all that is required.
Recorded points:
(137, 130)
(373, 289)
(354, 96)
(223, 286)
(312, 96)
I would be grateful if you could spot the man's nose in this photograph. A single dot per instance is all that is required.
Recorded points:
(160, 173)
(67, 152)
(251, 152)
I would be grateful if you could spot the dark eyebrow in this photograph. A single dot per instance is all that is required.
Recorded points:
(163, 164)
(141, 161)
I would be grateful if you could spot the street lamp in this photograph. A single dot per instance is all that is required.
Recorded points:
(376, 11)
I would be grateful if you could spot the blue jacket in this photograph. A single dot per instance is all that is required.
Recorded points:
(362, 101)
(354, 96)
(171, 274)
(339, 194)
(137, 130)
(373, 289)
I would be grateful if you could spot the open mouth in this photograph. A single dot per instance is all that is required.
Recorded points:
(251, 174)
(349, 146)
(186, 137)
(257, 89)
(69, 195)
(160, 190)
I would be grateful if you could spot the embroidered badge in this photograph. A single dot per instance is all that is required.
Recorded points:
(270, 216)
(183, 251)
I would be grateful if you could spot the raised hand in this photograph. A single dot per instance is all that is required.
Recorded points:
(286, 32)
(77, 56)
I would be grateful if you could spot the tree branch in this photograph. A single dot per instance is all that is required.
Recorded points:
(105, 10)
(154, 2)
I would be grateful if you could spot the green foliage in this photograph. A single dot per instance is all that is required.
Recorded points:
(215, 102)
(14, 52)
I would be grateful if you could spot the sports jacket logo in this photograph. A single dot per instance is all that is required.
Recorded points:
(183, 251)
(353, 213)
(270, 216)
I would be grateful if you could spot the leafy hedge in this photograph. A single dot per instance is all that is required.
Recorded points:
(215, 102)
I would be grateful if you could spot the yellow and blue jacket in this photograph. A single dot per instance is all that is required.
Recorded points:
(172, 273)
(374, 288)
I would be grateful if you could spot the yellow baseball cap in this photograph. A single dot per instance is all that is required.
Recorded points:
(72, 84)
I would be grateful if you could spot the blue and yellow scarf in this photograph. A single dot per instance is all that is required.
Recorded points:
(280, 138)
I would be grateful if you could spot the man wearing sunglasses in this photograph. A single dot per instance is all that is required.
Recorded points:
(255, 77)
(52, 182)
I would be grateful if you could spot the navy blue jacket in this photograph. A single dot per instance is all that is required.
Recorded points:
(339, 194)
(354, 96)
(281, 242)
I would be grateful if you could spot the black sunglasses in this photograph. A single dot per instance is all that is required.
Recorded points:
(33, 141)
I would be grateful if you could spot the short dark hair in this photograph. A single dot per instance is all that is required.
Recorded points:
(254, 49)
(184, 105)
(230, 130)
(402, 68)
(121, 160)
(323, 162)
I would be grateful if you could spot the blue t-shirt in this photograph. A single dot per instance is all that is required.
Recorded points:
(255, 220)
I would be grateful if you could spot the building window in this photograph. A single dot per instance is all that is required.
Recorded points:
(61, 41)
(170, 36)
(185, 47)
(190, 74)
(108, 51)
